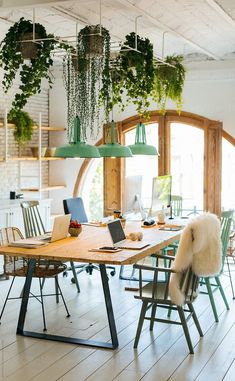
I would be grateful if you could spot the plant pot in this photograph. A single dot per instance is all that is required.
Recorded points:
(50, 151)
(29, 49)
(74, 232)
(94, 43)
(35, 151)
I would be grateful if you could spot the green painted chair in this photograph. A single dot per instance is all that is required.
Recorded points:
(155, 295)
(213, 283)
(176, 204)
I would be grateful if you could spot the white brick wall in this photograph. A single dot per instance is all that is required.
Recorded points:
(9, 172)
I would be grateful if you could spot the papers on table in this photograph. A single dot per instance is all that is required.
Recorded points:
(28, 243)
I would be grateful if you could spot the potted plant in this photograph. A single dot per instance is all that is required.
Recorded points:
(88, 86)
(134, 74)
(13, 52)
(23, 126)
(168, 82)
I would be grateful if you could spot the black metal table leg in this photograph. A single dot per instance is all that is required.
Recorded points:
(108, 304)
(65, 339)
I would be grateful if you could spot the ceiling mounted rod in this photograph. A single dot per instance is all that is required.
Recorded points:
(33, 24)
(100, 11)
(163, 44)
(136, 25)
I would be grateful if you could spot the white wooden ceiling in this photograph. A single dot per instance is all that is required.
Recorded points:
(198, 29)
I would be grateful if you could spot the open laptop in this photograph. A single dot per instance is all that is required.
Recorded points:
(119, 239)
(59, 231)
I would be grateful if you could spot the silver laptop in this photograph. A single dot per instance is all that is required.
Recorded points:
(119, 239)
(59, 231)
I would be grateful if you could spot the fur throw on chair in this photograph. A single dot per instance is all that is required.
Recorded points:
(199, 248)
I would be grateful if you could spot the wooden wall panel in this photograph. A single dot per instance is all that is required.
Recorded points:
(212, 167)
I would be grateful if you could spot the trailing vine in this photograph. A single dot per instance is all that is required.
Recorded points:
(169, 82)
(134, 74)
(23, 126)
(32, 70)
(93, 77)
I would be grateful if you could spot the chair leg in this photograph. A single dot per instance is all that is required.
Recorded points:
(230, 277)
(140, 324)
(56, 289)
(153, 314)
(195, 319)
(5, 302)
(75, 275)
(62, 296)
(42, 303)
(222, 292)
(185, 328)
(211, 297)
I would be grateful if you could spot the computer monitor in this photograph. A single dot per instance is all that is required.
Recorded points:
(132, 196)
(161, 194)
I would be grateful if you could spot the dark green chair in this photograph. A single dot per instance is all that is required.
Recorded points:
(155, 295)
(213, 283)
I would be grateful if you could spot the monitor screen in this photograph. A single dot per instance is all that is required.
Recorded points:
(116, 231)
(161, 193)
(132, 194)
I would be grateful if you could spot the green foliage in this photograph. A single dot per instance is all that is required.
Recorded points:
(93, 78)
(169, 82)
(134, 74)
(31, 71)
(96, 194)
(24, 125)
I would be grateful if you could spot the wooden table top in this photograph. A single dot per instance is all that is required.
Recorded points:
(77, 249)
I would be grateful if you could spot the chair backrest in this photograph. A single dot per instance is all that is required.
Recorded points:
(226, 224)
(75, 207)
(32, 220)
(11, 264)
(176, 203)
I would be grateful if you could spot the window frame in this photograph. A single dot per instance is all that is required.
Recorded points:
(114, 169)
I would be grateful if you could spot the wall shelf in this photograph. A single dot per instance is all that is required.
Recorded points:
(31, 158)
(44, 189)
(43, 128)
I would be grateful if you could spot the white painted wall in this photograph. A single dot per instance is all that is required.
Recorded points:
(209, 91)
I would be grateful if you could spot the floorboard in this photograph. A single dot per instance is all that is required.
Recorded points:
(161, 355)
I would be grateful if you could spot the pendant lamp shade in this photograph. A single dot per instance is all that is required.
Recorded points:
(114, 149)
(140, 147)
(77, 148)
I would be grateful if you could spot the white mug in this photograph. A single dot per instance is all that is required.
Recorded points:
(161, 217)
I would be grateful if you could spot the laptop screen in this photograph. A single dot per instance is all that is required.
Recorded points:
(116, 231)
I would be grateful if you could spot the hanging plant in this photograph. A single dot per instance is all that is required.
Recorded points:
(70, 72)
(169, 82)
(92, 79)
(23, 126)
(39, 59)
(134, 74)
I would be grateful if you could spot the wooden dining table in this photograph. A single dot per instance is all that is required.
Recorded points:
(76, 249)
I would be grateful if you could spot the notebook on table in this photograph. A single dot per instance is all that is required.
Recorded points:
(59, 231)
(119, 239)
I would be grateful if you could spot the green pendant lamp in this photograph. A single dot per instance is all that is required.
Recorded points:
(77, 148)
(114, 149)
(140, 147)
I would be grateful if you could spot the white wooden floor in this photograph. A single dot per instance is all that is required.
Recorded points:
(161, 355)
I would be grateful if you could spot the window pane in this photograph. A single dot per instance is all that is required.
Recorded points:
(228, 178)
(146, 166)
(187, 151)
(92, 190)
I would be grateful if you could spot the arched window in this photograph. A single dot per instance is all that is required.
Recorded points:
(190, 148)
(228, 178)
(144, 166)
(92, 190)
(187, 164)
